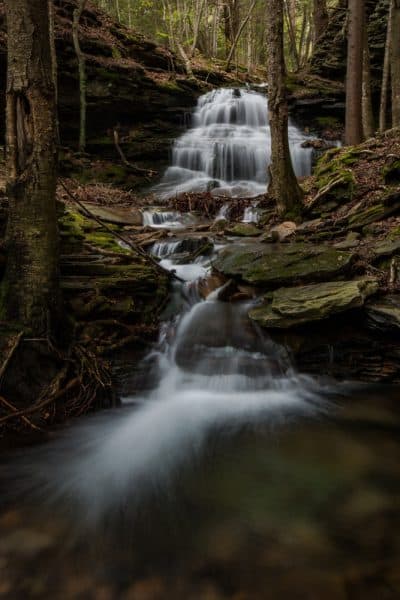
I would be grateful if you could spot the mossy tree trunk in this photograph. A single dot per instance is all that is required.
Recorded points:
(395, 62)
(30, 290)
(354, 78)
(283, 188)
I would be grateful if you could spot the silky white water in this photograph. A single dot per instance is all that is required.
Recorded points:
(216, 373)
(228, 148)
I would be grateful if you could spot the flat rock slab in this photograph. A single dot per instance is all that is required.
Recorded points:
(295, 306)
(272, 265)
(117, 216)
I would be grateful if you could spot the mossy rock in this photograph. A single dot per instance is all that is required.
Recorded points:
(291, 307)
(243, 230)
(271, 265)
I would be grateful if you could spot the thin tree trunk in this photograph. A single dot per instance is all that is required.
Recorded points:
(290, 13)
(30, 291)
(239, 33)
(354, 129)
(283, 188)
(367, 110)
(82, 73)
(395, 63)
(386, 73)
(197, 23)
(321, 19)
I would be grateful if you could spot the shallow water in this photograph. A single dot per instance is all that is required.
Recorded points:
(232, 477)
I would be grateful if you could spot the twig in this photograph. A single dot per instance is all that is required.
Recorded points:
(10, 354)
(22, 417)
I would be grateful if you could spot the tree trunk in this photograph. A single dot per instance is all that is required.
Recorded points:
(321, 19)
(354, 129)
(386, 73)
(395, 63)
(30, 292)
(283, 183)
(238, 34)
(82, 73)
(367, 110)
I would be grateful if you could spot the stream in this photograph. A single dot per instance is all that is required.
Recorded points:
(232, 476)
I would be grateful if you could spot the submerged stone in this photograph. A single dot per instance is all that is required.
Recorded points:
(271, 265)
(295, 306)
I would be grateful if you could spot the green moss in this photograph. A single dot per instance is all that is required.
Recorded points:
(116, 53)
(106, 241)
(328, 121)
(367, 216)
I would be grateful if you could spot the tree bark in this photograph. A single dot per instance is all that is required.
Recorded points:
(283, 188)
(321, 19)
(238, 34)
(386, 73)
(354, 129)
(30, 291)
(395, 63)
(82, 73)
(367, 109)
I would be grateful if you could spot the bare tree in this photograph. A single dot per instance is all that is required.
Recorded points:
(284, 187)
(395, 62)
(354, 128)
(82, 72)
(386, 72)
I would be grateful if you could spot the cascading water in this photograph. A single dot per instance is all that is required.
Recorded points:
(227, 150)
(215, 371)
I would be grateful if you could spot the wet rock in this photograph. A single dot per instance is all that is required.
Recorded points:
(269, 265)
(384, 313)
(295, 306)
(282, 231)
(243, 230)
(118, 216)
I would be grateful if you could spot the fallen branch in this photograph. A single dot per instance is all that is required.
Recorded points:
(10, 354)
(22, 417)
(117, 235)
(147, 172)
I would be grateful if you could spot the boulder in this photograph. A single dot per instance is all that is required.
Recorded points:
(295, 306)
(273, 265)
(282, 231)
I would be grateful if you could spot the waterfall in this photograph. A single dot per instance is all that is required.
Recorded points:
(228, 148)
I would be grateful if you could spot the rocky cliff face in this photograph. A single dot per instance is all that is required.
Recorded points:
(133, 84)
(329, 59)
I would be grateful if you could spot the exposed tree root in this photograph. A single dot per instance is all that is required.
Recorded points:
(82, 384)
